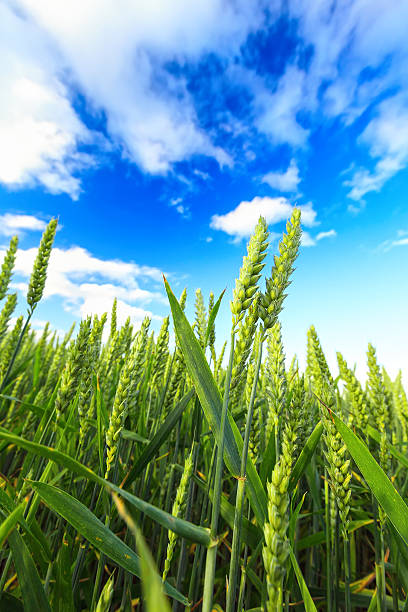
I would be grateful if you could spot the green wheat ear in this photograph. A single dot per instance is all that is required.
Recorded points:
(177, 510)
(161, 352)
(276, 377)
(8, 346)
(246, 284)
(6, 313)
(114, 318)
(183, 299)
(7, 266)
(270, 303)
(338, 464)
(200, 317)
(380, 404)
(39, 273)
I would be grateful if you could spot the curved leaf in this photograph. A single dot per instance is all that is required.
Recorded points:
(380, 485)
(98, 534)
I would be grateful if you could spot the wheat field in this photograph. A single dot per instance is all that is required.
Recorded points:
(135, 476)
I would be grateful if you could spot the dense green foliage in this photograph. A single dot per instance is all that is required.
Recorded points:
(136, 476)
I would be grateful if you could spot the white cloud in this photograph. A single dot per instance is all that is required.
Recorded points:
(87, 284)
(287, 181)
(181, 208)
(118, 60)
(401, 240)
(11, 224)
(348, 38)
(386, 135)
(97, 299)
(40, 133)
(360, 53)
(121, 62)
(241, 221)
(277, 110)
(329, 234)
(307, 240)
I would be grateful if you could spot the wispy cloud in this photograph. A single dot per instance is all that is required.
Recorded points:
(309, 241)
(387, 138)
(287, 181)
(329, 234)
(400, 240)
(277, 111)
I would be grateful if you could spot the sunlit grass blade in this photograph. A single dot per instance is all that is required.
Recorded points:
(251, 534)
(134, 436)
(37, 540)
(105, 598)
(293, 520)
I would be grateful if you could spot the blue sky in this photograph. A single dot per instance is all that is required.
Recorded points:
(158, 132)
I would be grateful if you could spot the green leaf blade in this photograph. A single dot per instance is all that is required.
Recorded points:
(380, 485)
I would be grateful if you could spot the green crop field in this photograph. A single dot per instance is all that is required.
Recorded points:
(138, 477)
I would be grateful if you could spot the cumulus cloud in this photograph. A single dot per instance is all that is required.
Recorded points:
(11, 224)
(240, 222)
(287, 181)
(88, 284)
